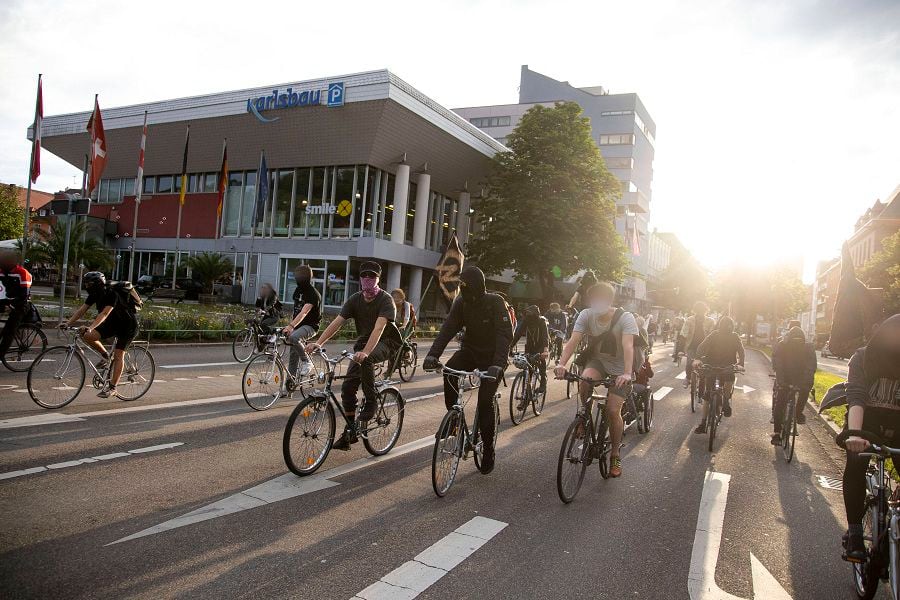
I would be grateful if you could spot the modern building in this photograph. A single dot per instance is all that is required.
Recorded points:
(878, 222)
(825, 288)
(624, 132)
(360, 167)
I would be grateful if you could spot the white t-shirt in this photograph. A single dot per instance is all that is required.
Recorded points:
(589, 324)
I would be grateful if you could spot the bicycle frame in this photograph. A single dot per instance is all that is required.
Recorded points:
(467, 383)
(885, 499)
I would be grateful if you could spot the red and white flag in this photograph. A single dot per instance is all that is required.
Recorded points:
(140, 175)
(635, 239)
(98, 148)
(36, 143)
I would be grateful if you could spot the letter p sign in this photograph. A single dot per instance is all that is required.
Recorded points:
(336, 94)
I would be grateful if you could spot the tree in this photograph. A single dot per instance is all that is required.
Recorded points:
(882, 270)
(682, 283)
(208, 267)
(50, 248)
(12, 216)
(775, 293)
(549, 209)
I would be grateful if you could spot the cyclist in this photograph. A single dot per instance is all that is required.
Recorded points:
(696, 328)
(610, 353)
(652, 329)
(873, 397)
(15, 293)
(406, 314)
(722, 348)
(270, 307)
(537, 341)
(485, 346)
(373, 313)
(305, 324)
(116, 316)
(794, 361)
(558, 324)
(678, 338)
(666, 330)
(579, 299)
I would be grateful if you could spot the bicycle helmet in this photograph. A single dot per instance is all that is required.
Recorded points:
(93, 279)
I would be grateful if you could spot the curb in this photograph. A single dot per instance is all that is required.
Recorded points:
(825, 420)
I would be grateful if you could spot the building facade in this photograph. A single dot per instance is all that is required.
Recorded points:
(625, 134)
(360, 167)
(878, 222)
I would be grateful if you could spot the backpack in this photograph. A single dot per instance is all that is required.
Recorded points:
(605, 343)
(127, 297)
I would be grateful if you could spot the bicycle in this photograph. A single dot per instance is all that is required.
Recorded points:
(252, 340)
(715, 395)
(575, 368)
(454, 440)
(557, 339)
(645, 404)
(695, 386)
(28, 342)
(267, 378)
(404, 361)
(881, 521)
(586, 439)
(57, 375)
(789, 418)
(524, 389)
(309, 433)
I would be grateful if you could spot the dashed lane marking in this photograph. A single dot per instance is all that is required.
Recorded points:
(680, 375)
(83, 461)
(196, 365)
(415, 576)
(662, 393)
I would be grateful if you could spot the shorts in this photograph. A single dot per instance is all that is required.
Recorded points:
(598, 365)
(124, 332)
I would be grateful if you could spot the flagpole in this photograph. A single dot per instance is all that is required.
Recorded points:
(139, 188)
(225, 192)
(180, 207)
(34, 139)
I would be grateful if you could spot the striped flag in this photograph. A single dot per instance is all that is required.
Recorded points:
(98, 148)
(222, 188)
(448, 269)
(140, 175)
(36, 143)
(187, 139)
(262, 190)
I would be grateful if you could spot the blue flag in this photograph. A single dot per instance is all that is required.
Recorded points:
(262, 190)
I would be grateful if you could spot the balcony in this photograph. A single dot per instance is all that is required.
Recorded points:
(635, 202)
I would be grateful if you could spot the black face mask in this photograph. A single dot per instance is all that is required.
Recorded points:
(472, 284)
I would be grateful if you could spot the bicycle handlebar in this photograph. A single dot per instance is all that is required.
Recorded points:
(728, 369)
(609, 382)
(877, 446)
(476, 372)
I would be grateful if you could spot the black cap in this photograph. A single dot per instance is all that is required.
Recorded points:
(370, 267)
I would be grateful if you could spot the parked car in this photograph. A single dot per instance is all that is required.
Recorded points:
(147, 283)
(826, 353)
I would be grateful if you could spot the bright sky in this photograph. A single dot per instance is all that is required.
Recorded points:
(777, 122)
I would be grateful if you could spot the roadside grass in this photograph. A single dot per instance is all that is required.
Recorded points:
(824, 381)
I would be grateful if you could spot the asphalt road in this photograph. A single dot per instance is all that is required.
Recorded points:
(159, 509)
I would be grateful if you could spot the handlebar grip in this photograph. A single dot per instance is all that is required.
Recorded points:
(870, 437)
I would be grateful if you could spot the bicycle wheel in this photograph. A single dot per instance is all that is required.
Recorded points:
(788, 430)
(384, 428)
(244, 345)
(27, 344)
(605, 447)
(447, 452)
(261, 385)
(573, 459)
(693, 395)
(138, 373)
(56, 377)
(865, 575)
(649, 403)
(537, 398)
(476, 436)
(518, 398)
(316, 375)
(308, 435)
(409, 361)
(572, 385)
(713, 418)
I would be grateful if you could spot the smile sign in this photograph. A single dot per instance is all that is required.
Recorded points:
(289, 98)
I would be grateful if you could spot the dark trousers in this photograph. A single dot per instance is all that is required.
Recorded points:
(13, 320)
(780, 402)
(464, 360)
(364, 374)
(541, 365)
(706, 383)
(886, 424)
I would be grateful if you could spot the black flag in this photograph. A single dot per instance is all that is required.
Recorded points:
(448, 269)
(856, 311)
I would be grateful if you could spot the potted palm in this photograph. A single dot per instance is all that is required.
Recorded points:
(207, 267)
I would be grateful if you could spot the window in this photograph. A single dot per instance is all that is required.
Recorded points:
(231, 212)
(128, 190)
(320, 192)
(282, 204)
(115, 191)
(616, 113)
(387, 215)
(149, 184)
(411, 212)
(616, 162)
(248, 206)
(360, 195)
(177, 180)
(628, 186)
(616, 139)
(343, 202)
(483, 122)
(369, 224)
(301, 201)
(164, 184)
(335, 282)
(194, 183)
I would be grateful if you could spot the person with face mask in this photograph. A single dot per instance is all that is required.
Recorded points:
(794, 361)
(873, 397)
(372, 310)
(537, 341)
(721, 348)
(696, 328)
(15, 293)
(610, 354)
(305, 324)
(580, 299)
(558, 322)
(485, 346)
(270, 307)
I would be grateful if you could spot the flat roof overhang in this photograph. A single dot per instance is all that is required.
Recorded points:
(382, 119)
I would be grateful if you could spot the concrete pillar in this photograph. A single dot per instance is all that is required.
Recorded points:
(462, 218)
(414, 293)
(401, 201)
(393, 277)
(420, 225)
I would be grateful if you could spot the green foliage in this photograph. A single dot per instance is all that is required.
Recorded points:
(774, 292)
(50, 248)
(550, 202)
(208, 267)
(12, 216)
(882, 270)
(823, 382)
(684, 282)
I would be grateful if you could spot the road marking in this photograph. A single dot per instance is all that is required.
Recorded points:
(195, 365)
(707, 541)
(46, 419)
(91, 459)
(415, 576)
(681, 375)
(745, 388)
(274, 490)
(661, 393)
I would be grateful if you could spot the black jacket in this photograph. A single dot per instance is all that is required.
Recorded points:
(488, 330)
(794, 360)
(537, 336)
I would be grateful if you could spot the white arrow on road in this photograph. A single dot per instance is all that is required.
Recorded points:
(745, 388)
(705, 553)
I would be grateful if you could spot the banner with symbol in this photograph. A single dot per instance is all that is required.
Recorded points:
(448, 269)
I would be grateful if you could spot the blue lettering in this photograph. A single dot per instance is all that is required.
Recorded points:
(293, 98)
(260, 104)
(282, 101)
(314, 97)
(304, 98)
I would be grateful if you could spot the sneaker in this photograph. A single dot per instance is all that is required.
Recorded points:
(701, 428)
(305, 367)
(108, 393)
(615, 467)
(346, 440)
(102, 365)
(801, 419)
(854, 548)
(726, 410)
(687, 383)
(776, 439)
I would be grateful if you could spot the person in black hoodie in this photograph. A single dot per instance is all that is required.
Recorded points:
(873, 397)
(484, 347)
(537, 341)
(794, 360)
